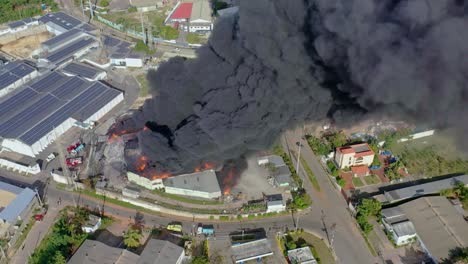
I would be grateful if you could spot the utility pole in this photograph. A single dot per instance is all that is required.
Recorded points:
(82, 7)
(91, 9)
(299, 155)
(143, 29)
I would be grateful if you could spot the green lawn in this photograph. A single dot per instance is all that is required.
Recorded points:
(357, 182)
(186, 199)
(143, 85)
(320, 250)
(371, 179)
(311, 175)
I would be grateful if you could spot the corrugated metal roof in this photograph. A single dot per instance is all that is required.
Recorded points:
(204, 181)
(405, 228)
(22, 200)
(160, 251)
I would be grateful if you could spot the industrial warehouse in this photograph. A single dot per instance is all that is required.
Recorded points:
(40, 112)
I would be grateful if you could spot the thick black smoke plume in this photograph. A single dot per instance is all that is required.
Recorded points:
(280, 62)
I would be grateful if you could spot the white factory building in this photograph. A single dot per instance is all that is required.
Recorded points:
(14, 74)
(39, 112)
(202, 184)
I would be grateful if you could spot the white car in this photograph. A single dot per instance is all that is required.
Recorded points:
(50, 157)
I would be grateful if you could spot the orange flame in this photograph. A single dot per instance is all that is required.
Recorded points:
(204, 166)
(228, 182)
(145, 128)
(163, 175)
(141, 163)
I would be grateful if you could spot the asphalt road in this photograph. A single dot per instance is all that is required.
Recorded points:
(329, 205)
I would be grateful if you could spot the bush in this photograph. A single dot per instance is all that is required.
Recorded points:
(169, 33)
(224, 218)
(341, 182)
(251, 216)
(104, 3)
(132, 9)
(239, 217)
(211, 217)
(319, 146)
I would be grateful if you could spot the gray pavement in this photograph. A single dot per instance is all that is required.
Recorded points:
(348, 243)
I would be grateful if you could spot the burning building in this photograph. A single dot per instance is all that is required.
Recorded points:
(203, 184)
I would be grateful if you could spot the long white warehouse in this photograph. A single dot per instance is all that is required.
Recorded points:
(36, 114)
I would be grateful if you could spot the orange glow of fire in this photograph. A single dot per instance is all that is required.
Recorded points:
(163, 175)
(145, 128)
(141, 163)
(228, 181)
(204, 166)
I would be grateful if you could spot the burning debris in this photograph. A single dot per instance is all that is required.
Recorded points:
(343, 60)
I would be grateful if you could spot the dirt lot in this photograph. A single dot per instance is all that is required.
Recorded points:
(23, 47)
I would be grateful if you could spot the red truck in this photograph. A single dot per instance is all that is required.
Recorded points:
(73, 162)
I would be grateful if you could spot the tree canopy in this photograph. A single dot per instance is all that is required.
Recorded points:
(11, 10)
(132, 238)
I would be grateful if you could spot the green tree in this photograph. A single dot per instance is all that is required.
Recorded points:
(365, 226)
(341, 182)
(318, 145)
(169, 33)
(200, 260)
(132, 9)
(376, 161)
(337, 139)
(219, 5)
(104, 3)
(132, 238)
(369, 207)
(291, 245)
(457, 256)
(58, 258)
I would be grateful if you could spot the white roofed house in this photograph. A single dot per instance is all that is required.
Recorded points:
(398, 226)
(301, 256)
(275, 203)
(92, 224)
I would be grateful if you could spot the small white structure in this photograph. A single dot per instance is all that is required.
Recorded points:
(354, 155)
(131, 192)
(301, 256)
(147, 5)
(19, 163)
(398, 226)
(93, 224)
(417, 135)
(275, 203)
(58, 177)
(203, 184)
(124, 61)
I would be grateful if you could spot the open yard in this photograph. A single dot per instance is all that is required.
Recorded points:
(357, 182)
(432, 156)
(143, 85)
(23, 47)
(320, 250)
(371, 179)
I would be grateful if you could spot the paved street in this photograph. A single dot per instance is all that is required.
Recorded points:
(348, 243)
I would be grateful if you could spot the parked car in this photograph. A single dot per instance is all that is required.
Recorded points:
(50, 157)
(39, 217)
(72, 162)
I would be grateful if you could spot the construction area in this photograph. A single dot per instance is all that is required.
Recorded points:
(24, 47)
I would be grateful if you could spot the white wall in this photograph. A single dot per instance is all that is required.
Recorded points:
(193, 193)
(348, 159)
(34, 169)
(18, 83)
(18, 147)
(59, 178)
(134, 62)
(276, 208)
(105, 109)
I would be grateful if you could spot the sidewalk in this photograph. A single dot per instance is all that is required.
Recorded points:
(35, 236)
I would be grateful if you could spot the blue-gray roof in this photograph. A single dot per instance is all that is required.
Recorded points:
(12, 72)
(60, 19)
(62, 38)
(17, 206)
(16, 24)
(425, 188)
(81, 69)
(59, 56)
(33, 111)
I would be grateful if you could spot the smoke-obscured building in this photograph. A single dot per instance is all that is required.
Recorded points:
(202, 184)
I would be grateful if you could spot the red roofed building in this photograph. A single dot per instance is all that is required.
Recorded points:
(181, 13)
(361, 170)
(354, 155)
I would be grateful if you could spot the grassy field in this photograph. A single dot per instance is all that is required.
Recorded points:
(186, 199)
(311, 175)
(371, 179)
(357, 182)
(322, 252)
(143, 85)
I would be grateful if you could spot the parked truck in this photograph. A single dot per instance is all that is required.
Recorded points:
(73, 162)
(207, 230)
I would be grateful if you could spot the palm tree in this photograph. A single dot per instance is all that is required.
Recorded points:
(132, 238)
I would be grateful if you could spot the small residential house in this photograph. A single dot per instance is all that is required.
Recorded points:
(359, 171)
(279, 170)
(398, 226)
(301, 256)
(93, 223)
(275, 203)
(354, 155)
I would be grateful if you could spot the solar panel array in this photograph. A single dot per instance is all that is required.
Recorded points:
(81, 70)
(68, 51)
(61, 19)
(62, 37)
(12, 72)
(35, 110)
